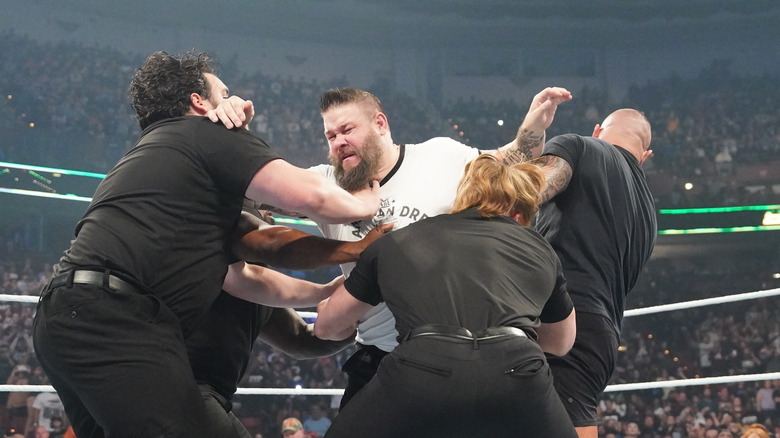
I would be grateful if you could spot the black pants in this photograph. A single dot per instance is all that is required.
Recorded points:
(119, 364)
(219, 411)
(360, 368)
(433, 386)
(582, 375)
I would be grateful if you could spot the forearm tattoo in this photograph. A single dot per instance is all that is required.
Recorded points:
(520, 151)
(557, 175)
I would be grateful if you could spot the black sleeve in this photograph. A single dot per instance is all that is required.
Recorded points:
(567, 146)
(362, 282)
(559, 305)
(233, 156)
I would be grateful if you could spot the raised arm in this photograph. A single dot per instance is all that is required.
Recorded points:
(337, 316)
(288, 332)
(531, 133)
(265, 286)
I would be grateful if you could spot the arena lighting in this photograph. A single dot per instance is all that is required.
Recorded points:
(724, 219)
(771, 220)
(500, 123)
(718, 209)
(688, 186)
(720, 230)
(293, 221)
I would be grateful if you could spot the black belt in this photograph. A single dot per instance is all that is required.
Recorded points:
(464, 334)
(96, 278)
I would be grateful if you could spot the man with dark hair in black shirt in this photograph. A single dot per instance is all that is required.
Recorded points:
(151, 255)
(468, 291)
(599, 216)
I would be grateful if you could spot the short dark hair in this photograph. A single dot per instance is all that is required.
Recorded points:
(161, 88)
(341, 96)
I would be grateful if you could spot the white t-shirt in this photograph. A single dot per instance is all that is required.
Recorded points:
(423, 185)
(49, 405)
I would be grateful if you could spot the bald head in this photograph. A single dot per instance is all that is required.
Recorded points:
(629, 129)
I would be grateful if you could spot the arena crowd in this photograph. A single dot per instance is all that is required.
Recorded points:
(719, 129)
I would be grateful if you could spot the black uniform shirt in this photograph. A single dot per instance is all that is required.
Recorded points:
(463, 270)
(220, 348)
(163, 214)
(603, 226)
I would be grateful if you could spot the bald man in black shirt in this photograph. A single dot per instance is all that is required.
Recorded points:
(599, 216)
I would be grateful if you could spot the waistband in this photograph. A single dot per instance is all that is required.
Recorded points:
(464, 334)
(104, 278)
(373, 350)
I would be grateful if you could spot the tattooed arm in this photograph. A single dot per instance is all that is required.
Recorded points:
(530, 136)
(557, 174)
(527, 145)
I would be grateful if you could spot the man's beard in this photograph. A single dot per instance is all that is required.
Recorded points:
(359, 176)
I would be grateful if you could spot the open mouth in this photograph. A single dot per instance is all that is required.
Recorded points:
(346, 156)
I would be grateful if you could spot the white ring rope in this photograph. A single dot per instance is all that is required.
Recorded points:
(611, 388)
(335, 391)
(703, 302)
(19, 298)
(632, 312)
(691, 382)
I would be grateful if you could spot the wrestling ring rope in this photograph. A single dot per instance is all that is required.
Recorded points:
(611, 388)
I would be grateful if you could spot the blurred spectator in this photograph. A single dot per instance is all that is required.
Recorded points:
(45, 407)
(713, 125)
(719, 130)
(292, 428)
(317, 421)
(16, 404)
(631, 430)
(58, 427)
(765, 402)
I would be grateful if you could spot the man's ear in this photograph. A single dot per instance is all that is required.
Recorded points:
(380, 120)
(519, 218)
(645, 155)
(596, 131)
(199, 105)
